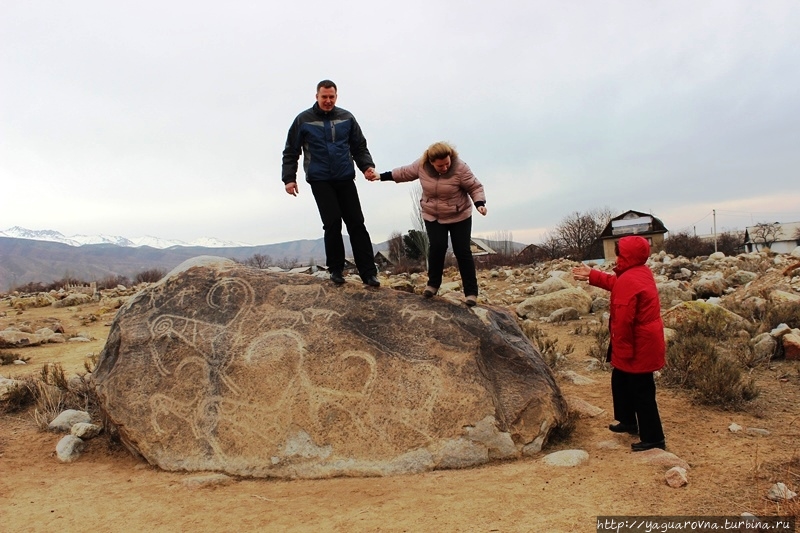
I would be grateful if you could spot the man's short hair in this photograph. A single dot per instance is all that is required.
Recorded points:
(327, 84)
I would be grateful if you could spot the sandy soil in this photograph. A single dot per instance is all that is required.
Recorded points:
(107, 489)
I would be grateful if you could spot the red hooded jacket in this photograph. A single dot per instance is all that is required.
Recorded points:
(637, 332)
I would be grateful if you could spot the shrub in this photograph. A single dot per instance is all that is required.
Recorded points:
(31, 287)
(407, 266)
(150, 275)
(722, 384)
(9, 358)
(111, 282)
(547, 347)
(599, 350)
(562, 433)
(694, 363)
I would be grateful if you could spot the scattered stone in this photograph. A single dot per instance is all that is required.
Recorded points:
(758, 432)
(780, 492)
(85, 431)
(676, 477)
(583, 408)
(14, 338)
(791, 346)
(576, 378)
(734, 427)
(780, 331)
(566, 458)
(69, 448)
(663, 458)
(564, 315)
(68, 418)
(7, 384)
(551, 285)
(779, 297)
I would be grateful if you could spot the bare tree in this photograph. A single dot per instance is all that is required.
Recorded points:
(396, 246)
(552, 246)
(420, 236)
(287, 263)
(502, 242)
(578, 233)
(258, 261)
(765, 233)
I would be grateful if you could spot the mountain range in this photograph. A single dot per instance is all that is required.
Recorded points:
(79, 240)
(31, 256)
(28, 256)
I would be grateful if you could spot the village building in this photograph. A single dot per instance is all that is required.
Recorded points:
(632, 223)
(780, 238)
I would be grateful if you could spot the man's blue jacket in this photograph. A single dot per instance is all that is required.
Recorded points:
(330, 142)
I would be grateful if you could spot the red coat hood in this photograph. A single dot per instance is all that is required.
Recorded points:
(633, 251)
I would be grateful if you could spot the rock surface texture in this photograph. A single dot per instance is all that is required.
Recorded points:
(227, 368)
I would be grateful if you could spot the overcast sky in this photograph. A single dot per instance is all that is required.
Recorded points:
(169, 118)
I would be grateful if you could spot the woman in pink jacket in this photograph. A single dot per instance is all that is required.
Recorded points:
(637, 345)
(448, 191)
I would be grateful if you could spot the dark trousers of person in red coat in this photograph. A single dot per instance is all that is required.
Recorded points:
(634, 397)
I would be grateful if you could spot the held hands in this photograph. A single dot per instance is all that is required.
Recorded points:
(581, 273)
(291, 188)
(370, 174)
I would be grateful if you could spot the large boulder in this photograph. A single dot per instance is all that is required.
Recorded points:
(674, 291)
(542, 306)
(229, 368)
(710, 285)
(697, 311)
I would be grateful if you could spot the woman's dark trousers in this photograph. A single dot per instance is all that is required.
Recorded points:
(460, 236)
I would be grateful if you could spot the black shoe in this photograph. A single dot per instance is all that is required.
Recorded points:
(624, 428)
(372, 281)
(337, 278)
(642, 446)
(429, 292)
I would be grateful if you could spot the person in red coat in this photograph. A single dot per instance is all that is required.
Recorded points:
(637, 347)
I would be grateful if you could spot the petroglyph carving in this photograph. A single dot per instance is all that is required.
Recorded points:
(413, 312)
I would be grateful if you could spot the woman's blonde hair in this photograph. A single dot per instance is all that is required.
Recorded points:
(439, 150)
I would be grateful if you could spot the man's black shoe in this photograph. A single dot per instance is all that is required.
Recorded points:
(337, 278)
(642, 446)
(372, 281)
(624, 428)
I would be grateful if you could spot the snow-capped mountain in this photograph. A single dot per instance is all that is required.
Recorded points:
(79, 240)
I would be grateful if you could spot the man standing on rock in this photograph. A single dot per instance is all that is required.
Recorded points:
(330, 140)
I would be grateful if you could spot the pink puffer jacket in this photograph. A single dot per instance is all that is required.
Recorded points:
(446, 198)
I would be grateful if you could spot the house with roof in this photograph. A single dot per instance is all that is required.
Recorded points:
(532, 253)
(382, 259)
(479, 247)
(632, 223)
(781, 238)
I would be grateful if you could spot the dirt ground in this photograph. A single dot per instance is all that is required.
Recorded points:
(107, 489)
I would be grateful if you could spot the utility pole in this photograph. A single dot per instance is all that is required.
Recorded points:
(714, 212)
